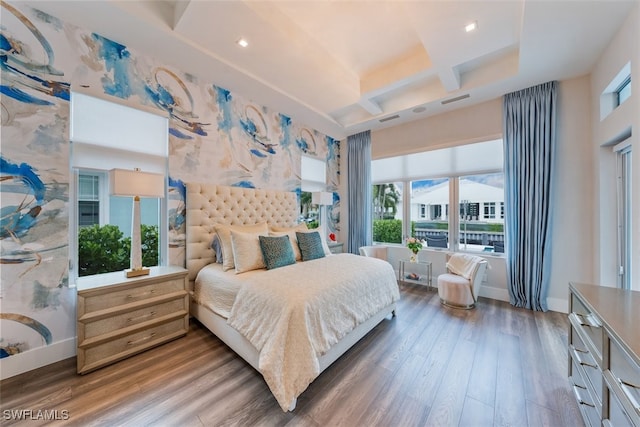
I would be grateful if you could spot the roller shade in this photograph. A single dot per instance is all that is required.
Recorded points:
(313, 173)
(107, 135)
(481, 157)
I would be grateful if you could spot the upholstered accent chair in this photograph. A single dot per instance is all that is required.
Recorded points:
(459, 287)
(375, 251)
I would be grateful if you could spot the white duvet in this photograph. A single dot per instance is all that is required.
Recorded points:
(294, 314)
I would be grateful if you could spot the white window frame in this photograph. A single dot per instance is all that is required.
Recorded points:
(454, 203)
(624, 214)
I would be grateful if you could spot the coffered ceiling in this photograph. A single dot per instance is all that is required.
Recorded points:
(347, 66)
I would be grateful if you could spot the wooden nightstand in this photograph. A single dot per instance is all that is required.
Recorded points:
(119, 317)
(335, 247)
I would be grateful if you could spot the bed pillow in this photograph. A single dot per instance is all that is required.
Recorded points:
(300, 227)
(292, 239)
(277, 251)
(217, 248)
(310, 245)
(325, 246)
(247, 254)
(224, 234)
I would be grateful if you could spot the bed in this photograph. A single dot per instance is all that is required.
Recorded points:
(289, 323)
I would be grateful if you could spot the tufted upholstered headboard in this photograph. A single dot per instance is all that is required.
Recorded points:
(209, 204)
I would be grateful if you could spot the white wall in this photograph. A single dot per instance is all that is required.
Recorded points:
(624, 48)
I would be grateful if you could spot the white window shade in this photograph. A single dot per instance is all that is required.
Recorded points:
(313, 173)
(461, 160)
(108, 135)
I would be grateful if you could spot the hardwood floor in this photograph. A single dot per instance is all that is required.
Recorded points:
(429, 366)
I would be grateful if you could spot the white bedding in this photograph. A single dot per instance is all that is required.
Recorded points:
(294, 314)
(216, 289)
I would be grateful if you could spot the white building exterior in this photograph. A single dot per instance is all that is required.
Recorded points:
(483, 202)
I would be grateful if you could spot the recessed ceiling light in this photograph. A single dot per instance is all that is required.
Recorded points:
(242, 42)
(470, 27)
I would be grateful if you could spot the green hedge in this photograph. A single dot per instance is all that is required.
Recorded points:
(104, 249)
(389, 230)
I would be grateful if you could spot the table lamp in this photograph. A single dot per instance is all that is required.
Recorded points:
(322, 199)
(136, 184)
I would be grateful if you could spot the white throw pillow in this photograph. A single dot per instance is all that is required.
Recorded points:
(224, 235)
(247, 253)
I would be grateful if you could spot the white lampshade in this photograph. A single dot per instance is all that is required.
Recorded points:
(136, 183)
(322, 198)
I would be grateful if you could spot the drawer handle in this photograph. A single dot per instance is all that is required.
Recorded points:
(587, 320)
(132, 296)
(579, 398)
(580, 361)
(625, 385)
(144, 316)
(148, 337)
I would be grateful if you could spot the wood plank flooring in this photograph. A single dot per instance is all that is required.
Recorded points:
(429, 366)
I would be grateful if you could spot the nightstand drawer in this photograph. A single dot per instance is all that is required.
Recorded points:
(106, 298)
(120, 348)
(118, 316)
(133, 318)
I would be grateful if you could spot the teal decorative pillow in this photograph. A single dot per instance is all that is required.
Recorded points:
(276, 251)
(310, 245)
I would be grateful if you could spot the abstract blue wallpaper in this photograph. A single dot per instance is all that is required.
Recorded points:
(214, 136)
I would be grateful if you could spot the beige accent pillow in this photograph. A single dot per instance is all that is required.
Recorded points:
(247, 253)
(224, 235)
(300, 227)
(292, 239)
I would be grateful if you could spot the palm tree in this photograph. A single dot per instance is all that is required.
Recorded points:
(305, 203)
(385, 197)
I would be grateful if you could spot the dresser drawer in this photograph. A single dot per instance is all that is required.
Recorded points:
(590, 409)
(135, 317)
(623, 377)
(588, 326)
(582, 356)
(105, 298)
(111, 351)
(617, 416)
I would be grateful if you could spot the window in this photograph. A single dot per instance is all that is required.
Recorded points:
(617, 91)
(624, 213)
(387, 212)
(108, 133)
(88, 199)
(434, 194)
(314, 178)
(479, 195)
(467, 179)
(624, 91)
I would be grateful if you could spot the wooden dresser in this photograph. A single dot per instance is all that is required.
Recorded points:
(119, 317)
(604, 354)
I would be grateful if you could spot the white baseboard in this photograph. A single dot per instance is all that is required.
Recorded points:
(558, 304)
(37, 358)
(553, 304)
(499, 294)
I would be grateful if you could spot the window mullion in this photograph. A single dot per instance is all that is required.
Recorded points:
(454, 214)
